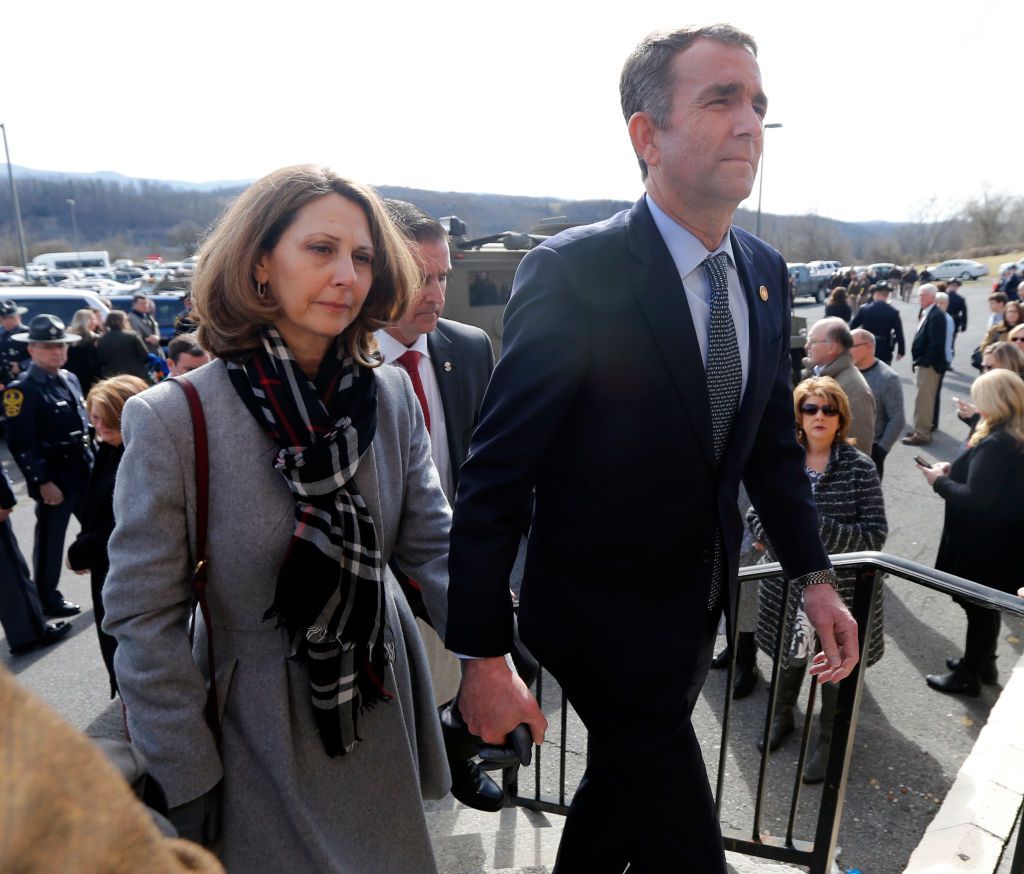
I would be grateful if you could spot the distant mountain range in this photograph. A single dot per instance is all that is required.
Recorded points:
(130, 217)
(121, 179)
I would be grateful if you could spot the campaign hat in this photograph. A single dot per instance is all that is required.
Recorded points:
(45, 328)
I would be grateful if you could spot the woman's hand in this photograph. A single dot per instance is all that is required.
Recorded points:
(935, 471)
(964, 409)
(758, 546)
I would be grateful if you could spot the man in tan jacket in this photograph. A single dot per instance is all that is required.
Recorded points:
(829, 342)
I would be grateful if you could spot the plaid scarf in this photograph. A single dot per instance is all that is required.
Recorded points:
(330, 587)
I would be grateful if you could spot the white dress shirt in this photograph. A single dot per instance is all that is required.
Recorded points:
(392, 350)
(689, 253)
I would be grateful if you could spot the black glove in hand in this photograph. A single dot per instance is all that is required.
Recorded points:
(199, 820)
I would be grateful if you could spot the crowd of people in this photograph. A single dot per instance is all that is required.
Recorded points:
(345, 479)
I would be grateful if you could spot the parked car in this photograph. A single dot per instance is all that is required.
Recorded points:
(959, 268)
(62, 304)
(831, 267)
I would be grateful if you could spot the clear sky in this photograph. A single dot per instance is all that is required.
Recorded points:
(884, 105)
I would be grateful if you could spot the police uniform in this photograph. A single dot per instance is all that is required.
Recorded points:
(12, 352)
(21, 613)
(48, 435)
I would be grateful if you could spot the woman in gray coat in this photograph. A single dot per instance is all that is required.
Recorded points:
(320, 472)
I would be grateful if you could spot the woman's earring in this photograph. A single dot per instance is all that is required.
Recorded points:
(261, 289)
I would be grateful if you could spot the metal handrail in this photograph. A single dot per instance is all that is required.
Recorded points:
(816, 856)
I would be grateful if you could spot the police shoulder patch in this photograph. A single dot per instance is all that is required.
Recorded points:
(13, 400)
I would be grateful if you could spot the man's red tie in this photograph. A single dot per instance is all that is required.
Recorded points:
(411, 362)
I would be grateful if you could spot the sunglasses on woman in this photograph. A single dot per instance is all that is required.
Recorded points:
(812, 409)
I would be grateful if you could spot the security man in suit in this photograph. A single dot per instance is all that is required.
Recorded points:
(929, 351)
(449, 364)
(21, 614)
(13, 354)
(644, 372)
(48, 434)
(882, 319)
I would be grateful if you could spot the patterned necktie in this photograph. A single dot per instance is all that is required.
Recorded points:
(725, 378)
(411, 362)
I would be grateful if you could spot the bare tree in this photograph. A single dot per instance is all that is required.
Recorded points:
(986, 215)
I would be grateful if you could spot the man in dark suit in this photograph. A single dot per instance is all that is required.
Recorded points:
(644, 372)
(882, 319)
(929, 352)
(449, 364)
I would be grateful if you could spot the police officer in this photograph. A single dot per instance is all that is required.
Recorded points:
(13, 354)
(20, 611)
(48, 434)
(882, 319)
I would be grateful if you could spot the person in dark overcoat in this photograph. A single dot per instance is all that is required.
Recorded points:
(984, 494)
(88, 553)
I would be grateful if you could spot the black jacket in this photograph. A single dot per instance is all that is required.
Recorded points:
(984, 496)
(929, 346)
(883, 321)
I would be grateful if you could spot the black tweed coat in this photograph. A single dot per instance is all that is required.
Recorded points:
(852, 511)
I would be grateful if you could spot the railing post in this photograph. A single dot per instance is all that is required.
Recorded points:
(830, 812)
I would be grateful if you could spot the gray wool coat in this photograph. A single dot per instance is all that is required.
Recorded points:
(287, 805)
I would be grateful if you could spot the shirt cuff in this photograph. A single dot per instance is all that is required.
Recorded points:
(817, 578)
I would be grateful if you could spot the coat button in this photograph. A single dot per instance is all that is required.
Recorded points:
(705, 555)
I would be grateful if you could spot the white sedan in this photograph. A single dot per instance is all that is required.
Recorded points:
(959, 268)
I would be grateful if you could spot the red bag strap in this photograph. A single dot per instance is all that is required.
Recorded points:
(199, 573)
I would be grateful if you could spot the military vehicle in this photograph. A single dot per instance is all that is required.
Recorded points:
(483, 269)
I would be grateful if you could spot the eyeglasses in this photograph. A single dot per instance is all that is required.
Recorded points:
(1019, 339)
(812, 409)
(811, 342)
(855, 345)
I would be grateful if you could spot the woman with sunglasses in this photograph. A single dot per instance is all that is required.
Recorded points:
(984, 494)
(848, 495)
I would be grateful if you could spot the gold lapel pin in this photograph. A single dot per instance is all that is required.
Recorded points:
(447, 367)
(764, 293)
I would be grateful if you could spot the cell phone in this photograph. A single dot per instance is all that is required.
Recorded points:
(922, 461)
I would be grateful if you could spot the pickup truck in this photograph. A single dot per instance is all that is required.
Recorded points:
(804, 282)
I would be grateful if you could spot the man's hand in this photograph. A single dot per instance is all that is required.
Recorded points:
(493, 701)
(837, 630)
(51, 494)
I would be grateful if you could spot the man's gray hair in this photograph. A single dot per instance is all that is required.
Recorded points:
(647, 84)
(865, 336)
(837, 331)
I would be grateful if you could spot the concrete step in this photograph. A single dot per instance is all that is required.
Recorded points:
(518, 841)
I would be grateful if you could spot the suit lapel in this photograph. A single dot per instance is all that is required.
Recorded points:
(662, 300)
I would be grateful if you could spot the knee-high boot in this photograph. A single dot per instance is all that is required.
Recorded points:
(790, 680)
(814, 768)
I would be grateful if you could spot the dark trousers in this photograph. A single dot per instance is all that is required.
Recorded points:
(878, 457)
(982, 636)
(20, 611)
(48, 549)
(644, 800)
(108, 643)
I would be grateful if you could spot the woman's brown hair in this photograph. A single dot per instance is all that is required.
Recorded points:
(109, 396)
(224, 292)
(833, 393)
